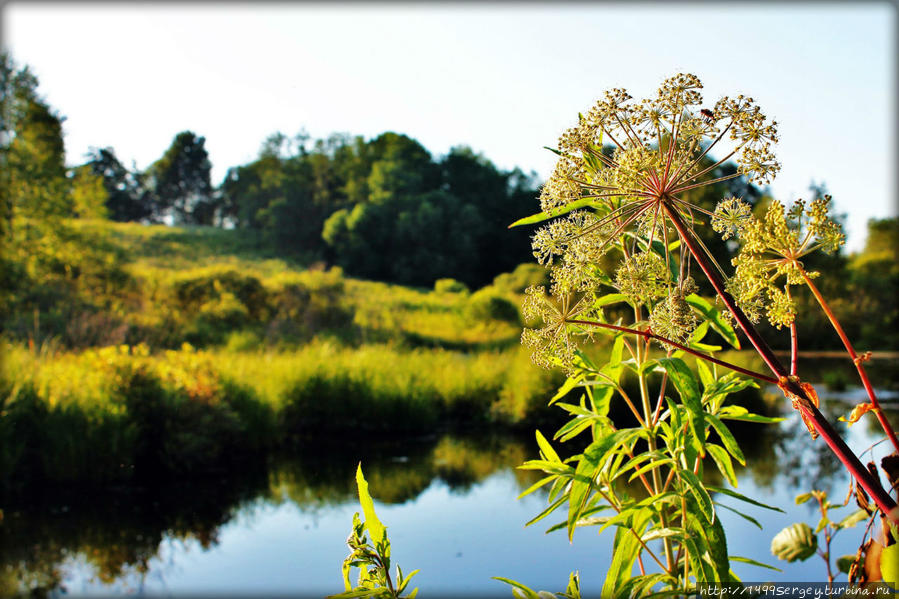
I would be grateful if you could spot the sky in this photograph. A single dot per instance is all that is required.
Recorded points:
(505, 78)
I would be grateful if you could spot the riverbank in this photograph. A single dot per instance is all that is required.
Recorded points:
(120, 413)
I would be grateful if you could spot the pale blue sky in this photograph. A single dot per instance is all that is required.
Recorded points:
(505, 78)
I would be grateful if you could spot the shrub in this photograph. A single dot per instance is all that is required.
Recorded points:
(524, 276)
(488, 304)
(450, 286)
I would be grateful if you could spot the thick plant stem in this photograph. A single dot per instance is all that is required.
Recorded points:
(791, 385)
(855, 360)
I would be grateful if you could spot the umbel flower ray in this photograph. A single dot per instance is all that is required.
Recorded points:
(619, 180)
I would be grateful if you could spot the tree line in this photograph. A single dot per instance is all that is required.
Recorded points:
(382, 208)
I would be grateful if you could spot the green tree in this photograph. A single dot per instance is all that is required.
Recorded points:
(180, 181)
(127, 196)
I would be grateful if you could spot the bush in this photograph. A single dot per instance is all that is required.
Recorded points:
(450, 286)
(524, 276)
(488, 304)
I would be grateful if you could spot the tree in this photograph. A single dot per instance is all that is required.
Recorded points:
(127, 197)
(89, 193)
(180, 181)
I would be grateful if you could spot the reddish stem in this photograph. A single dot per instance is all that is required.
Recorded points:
(855, 360)
(824, 428)
(698, 354)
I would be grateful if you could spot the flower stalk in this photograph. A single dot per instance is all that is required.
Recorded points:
(790, 383)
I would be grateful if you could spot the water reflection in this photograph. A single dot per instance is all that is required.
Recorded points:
(119, 533)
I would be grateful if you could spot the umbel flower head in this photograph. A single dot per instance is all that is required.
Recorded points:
(627, 164)
(769, 261)
(618, 183)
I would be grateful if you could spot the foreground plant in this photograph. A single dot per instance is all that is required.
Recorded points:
(372, 558)
(623, 234)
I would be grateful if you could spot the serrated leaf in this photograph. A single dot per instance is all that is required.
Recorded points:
(795, 542)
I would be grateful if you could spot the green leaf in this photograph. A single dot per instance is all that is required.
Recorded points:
(548, 467)
(802, 498)
(715, 318)
(742, 414)
(698, 490)
(752, 562)
(528, 592)
(573, 428)
(795, 542)
(569, 384)
(705, 374)
(662, 533)
(547, 510)
(536, 486)
(741, 514)
(736, 495)
(844, 563)
(655, 464)
(685, 383)
(560, 211)
(722, 460)
(375, 528)
(609, 298)
(727, 438)
(627, 546)
(588, 466)
(852, 519)
(546, 449)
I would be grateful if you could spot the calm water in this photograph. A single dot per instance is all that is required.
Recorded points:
(449, 504)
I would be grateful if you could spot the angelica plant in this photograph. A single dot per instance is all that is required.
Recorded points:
(622, 233)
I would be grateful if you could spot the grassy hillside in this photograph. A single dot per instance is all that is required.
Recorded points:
(175, 350)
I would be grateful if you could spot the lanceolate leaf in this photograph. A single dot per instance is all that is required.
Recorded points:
(560, 211)
(715, 319)
(722, 460)
(627, 546)
(546, 450)
(682, 378)
(727, 438)
(699, 492)
(375, 528)
(736, 495)
(588, 466)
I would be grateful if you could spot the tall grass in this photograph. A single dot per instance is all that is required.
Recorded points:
(112, 413)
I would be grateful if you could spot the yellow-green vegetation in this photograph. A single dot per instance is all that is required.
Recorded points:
(206, 348)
